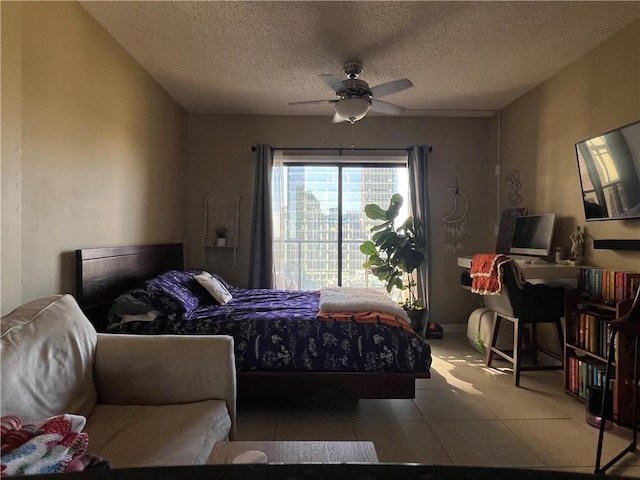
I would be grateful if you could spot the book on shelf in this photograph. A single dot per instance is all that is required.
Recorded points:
(605, 285)
(584, 372)
(592, 331)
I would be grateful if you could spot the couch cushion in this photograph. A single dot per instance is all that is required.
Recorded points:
(139, 436)
(48, 348)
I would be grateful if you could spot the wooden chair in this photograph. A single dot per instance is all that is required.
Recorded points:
(530, 305)
(629, 325)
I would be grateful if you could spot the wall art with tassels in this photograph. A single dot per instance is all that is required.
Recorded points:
(456, 222)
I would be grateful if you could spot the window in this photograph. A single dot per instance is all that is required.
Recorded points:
(319, 220)
(610, 190)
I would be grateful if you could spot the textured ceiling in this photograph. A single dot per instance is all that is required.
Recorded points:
(256, 57)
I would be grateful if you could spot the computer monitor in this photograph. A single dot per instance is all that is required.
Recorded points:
(532, 235)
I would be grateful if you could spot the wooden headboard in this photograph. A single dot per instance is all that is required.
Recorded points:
(104, 273)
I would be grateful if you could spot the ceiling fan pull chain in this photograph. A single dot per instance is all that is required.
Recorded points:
(352, 136)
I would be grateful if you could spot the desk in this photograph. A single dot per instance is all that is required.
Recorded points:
(481, 321)
(547, 273)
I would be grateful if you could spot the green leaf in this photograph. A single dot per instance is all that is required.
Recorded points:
(383, 272)
(384, 238)
(407, 225)
(394, 207)
(373, 261)
(376, 228)
(389, 243)
(396, 198)
(374, 212)
(396, 282)
(410, 259)
(368, 248)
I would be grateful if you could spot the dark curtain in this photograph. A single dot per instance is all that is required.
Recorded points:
(261, 261)
(417, 156)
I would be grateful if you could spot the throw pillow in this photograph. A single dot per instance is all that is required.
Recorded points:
(214, 287)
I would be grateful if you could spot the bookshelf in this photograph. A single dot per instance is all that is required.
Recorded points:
(588, 311)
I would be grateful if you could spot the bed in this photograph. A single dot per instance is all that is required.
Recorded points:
(293, 355)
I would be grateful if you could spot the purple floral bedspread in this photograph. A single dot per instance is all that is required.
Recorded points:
(276, 330)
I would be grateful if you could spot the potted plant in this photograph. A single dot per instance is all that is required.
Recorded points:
(221, 236)
(394, 253)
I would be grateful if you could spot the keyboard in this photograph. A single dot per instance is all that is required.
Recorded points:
(521, 259)
(525, 259)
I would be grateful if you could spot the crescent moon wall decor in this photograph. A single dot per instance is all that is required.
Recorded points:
(456, 223)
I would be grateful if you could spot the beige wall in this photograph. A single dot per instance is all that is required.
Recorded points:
(11, 143)
(221, 163)
(598, 92)
(93, 150)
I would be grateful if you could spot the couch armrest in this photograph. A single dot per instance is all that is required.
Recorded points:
(165, 369)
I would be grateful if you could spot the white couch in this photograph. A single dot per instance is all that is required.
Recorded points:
(148, 400)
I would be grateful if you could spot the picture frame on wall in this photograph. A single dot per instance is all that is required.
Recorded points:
(507, 223)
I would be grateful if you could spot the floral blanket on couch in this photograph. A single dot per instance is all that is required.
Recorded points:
(53, 445)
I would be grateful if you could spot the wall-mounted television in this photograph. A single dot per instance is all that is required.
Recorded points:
(532, 235)
(609, 168)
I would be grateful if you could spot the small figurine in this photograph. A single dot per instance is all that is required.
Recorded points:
(577, 246)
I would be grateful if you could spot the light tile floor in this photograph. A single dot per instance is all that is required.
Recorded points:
(465, 414)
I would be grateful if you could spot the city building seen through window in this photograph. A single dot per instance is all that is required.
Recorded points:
(319, 221)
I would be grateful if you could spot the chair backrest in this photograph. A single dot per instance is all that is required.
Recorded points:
(48, 351)
(526, 302)
(633, 314)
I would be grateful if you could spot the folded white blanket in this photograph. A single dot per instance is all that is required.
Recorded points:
(352, 299)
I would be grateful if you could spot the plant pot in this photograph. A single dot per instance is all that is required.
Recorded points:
(221, 242)
(417, 318)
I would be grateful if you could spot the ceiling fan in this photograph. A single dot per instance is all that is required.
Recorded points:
(355, 97)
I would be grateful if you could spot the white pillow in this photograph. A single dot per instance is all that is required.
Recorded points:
(214, 287)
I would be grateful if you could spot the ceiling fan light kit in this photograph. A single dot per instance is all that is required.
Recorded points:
(355, 98)
(353, 109)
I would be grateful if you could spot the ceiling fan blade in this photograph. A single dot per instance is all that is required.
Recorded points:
(333, 82)
(386, 107)
(338, 119)
(311, 102)
(390, 87)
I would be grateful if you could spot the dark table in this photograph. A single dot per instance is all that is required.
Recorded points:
(310, 471)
